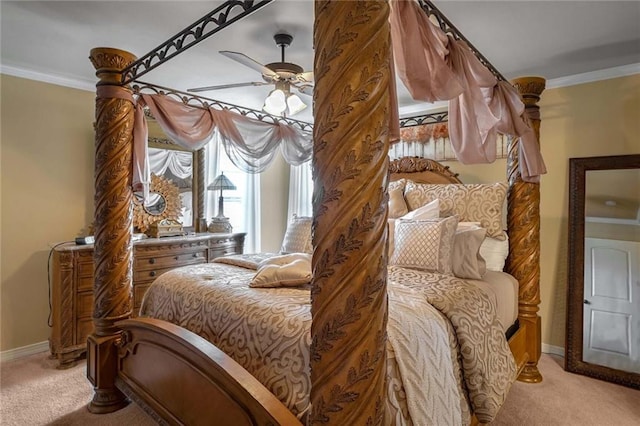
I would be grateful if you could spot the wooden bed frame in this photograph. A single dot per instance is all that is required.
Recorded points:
(185, 380)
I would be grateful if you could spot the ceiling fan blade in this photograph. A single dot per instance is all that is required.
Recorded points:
(227, 86)
(306, 89)
(305, 77)
(247, 61)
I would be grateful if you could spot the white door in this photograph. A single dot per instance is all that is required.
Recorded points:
(612, 304)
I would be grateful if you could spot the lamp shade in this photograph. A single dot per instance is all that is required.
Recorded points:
(295, 104)
(275, 103)
(221, 182)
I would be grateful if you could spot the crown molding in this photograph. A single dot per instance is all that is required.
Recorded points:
(56, 79)
(571, 80)
(589, 77)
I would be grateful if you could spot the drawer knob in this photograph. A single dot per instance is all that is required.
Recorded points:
(195, 254)
(176, 258)
(152, 273)
(152, 261)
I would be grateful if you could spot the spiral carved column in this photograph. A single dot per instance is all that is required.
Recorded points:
(199, 220)
(524, 233)
(349, 299)
(113, 251)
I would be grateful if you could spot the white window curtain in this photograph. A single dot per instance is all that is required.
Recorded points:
(300, 191)
(242, 205)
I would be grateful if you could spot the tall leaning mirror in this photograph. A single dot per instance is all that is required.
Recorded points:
(603, 289)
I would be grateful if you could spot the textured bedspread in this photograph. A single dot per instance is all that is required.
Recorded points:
(267, 332)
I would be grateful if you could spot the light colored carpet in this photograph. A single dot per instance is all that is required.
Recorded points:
(33, 392)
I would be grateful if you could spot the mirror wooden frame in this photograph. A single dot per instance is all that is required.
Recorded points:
(575, 282)
(198, 187)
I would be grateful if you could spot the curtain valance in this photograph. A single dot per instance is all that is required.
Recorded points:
(249, 143)
(436, 67)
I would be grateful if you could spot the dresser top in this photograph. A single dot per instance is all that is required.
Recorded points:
(191, 237)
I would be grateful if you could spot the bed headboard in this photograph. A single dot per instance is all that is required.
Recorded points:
(421, 170)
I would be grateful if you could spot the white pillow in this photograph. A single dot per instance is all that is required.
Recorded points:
(424, 244)
(495, 252)
(297, 238)
(428, 211)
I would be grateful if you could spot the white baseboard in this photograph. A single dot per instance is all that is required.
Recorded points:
(23, 351)
(553, 350)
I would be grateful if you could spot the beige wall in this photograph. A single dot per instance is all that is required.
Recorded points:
(47, 196)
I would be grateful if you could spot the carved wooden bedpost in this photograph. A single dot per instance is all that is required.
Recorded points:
(349, 300)
(524, 233)
(113, 254)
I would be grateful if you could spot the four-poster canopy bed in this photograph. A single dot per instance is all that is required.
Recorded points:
(181, 377)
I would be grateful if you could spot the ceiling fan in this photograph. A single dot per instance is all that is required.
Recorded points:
(282, 74)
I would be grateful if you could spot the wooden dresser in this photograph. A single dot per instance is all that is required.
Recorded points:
(72, 281)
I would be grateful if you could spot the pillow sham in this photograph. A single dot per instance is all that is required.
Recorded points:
(466, 261)
(428, 211)
(482, 203)
(397, 184)
(494, 252)
(297, 238)
(424, 244)
(291, 274)
(397, 205)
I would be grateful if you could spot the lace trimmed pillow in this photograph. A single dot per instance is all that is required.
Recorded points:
(470, 202)
(426, 245)
(297, 238)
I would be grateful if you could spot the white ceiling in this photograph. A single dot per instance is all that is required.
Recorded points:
(552, 39)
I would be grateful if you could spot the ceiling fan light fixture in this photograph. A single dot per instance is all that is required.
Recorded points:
(295, 104)
(275, 104)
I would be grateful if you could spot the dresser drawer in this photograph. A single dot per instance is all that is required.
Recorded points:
(222, 250)
(169, 261)
(140, 275)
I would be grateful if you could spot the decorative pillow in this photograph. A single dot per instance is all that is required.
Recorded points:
(495, 251)
(474, 202)
(397, 206)
(466, 261)
(428, 211)
(397, 184)
(297, 238)
(291, 274)
(424, 244)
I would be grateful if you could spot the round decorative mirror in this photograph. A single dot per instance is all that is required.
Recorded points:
(164, 203)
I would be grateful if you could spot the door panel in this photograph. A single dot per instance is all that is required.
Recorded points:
(612, 307)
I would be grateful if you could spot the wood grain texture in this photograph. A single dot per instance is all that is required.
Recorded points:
(351, 123)
(113, 254)
(523, 222)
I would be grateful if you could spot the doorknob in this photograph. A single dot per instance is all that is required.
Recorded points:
(586, 302)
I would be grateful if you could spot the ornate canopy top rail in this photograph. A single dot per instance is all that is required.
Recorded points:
(205, 103)
(233, 10)
(445, 25)
(419, 120)
(221, 17)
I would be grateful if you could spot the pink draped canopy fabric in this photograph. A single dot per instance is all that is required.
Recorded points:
(436, 67)
(250, 144)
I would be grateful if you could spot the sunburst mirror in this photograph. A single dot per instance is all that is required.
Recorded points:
(164, 203)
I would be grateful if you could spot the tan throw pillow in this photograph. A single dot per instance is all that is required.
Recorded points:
(297, 238)
(397, 206)
(473, 202)
(397, 184)
(424, 244)
(292, 274)
(466, 261)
